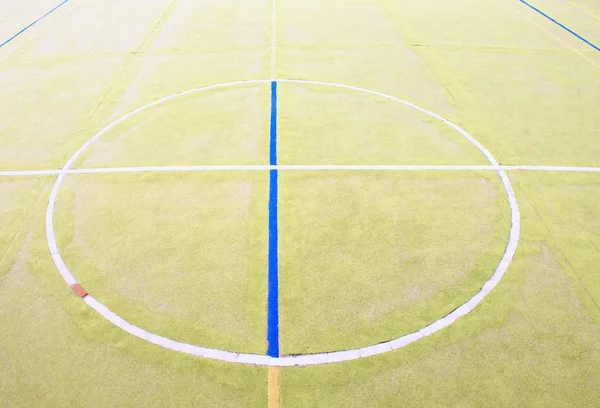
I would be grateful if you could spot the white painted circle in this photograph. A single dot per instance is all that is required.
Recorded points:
(305, 359)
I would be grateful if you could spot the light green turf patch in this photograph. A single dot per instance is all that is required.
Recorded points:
(58, 352)
(181, 255)
(179, 72)
(528, 108)
(514, 89)
(568, 206)
(583, 17)
(533, 342)
(41, 123)
(78, 30)
(14, 16)
(369, 257)
(222, 126)
(314, 23)
(226, 25)
(456, 24)
(60, 88)
(18, 197)
(325, 125)
(369, 68)
(56, 76)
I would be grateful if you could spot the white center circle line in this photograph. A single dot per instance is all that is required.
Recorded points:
(295, 360)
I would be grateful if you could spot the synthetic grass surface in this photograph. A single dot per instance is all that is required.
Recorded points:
(182, 255)
(533, 343)
(428, 242)
(15, 16)
(521, 85)
(219, 126)
(56, 351)
(321, 124)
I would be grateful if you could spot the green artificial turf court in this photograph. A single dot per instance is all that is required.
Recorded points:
(166, 272)
(393, 283)
(268, 182)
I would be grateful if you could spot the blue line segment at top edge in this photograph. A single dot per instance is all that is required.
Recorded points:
(32, 24)
(558, 23)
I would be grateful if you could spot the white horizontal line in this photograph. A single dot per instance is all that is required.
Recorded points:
(554, 168)
(299, 167)
(20, 173)
(169, 168)
(292, 167)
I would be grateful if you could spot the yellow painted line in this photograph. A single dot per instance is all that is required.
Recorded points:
(585, 10)
(273, 388)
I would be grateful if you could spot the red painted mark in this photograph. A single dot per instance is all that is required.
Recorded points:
(79, 290)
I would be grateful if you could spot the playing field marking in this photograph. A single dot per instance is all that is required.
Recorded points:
(273, 394)
(557, 38)
(28, 173)
(308, 359)
(273, 264)
(554, 168)
(564, 27)
(273, 37)
(273, 126)
(294, 360)
(32, 24)
(585, 10)
(303, 167)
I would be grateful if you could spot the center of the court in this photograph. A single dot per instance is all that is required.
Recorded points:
(274, 326)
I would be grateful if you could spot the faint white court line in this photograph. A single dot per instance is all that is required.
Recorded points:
(273, 37)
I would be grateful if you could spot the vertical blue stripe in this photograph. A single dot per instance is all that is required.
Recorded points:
(273, 285)
(273, 139)
(564, 27)
(30, 25)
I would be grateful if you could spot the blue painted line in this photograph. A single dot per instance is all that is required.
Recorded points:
(561, 25)
(273, 140)
(32, 24)
(273, 284)
(273, 290)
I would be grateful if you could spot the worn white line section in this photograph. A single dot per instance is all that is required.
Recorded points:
(165, 342)
(308, 359)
